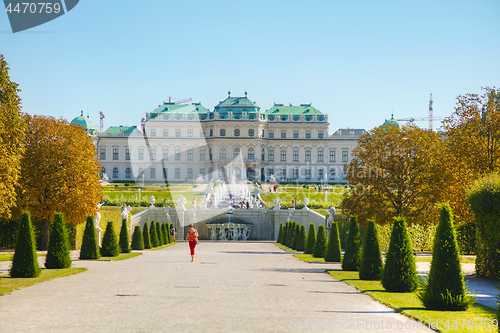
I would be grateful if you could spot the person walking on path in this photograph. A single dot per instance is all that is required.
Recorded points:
(192, 235)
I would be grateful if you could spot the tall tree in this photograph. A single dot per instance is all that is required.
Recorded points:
(396, 171)
(473, 145)
(12, 128)
(59, 173)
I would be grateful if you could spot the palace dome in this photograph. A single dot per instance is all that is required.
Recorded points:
(86, 123)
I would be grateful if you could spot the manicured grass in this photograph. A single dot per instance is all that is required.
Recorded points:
(8, 256)
(284, 248)
(409, 305)
(161, 247)
(121, 256)
(463, 259)
(8, 284)
(308, 257)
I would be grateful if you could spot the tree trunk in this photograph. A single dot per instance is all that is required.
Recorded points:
(44, 238)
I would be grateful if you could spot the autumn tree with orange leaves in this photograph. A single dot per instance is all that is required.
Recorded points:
(59, 173)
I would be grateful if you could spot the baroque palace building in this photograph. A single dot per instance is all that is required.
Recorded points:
(235, 140)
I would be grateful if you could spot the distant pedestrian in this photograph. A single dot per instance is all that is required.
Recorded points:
(172, 234)
(248, 205)
(192, 235)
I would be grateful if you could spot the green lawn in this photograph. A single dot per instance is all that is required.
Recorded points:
(308, 257)
(161, 247)
(8, 284)
(284, 248)
(409, 305)
(8, 256)
(463, 259)
(121, 256)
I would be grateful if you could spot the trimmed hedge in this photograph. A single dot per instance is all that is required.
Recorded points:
(311, 239)
(58, 250)
(145, 236)
(371, 259)
(159, 234)
(153, 235)
(280, 234)
(164, 233)
(400, 272)
(169, 236)
(321, 243)
(25, 262)
(137, 240)
(90, 247)
(352, 254)
(333, 251)
(110, 247)
(444, 290)
(296, 232)
(301, 242)
(124, 238)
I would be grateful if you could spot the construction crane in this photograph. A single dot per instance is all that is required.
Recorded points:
(431, 118)
(178, 102)
(101, 118)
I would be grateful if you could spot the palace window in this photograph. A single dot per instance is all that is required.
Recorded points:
(165, 154)
(222, 153)
(332, 155)
(270, 172)
(283, 174)
(128, 173)
(295, 155)
(295, 174)
(177, 173)
(320, 174)
(236, 132)
(190, 173)
(308, 134)
(320, 135)
(263, 155)
(283, 156)
(271, 134)
(177, 154)
(250, 132)
(115, 153)
(344, 156)
(295, 134)
(308, 156)
(211, 132)
(165, 133)
(320, 156)
(332, 174)
(152, 173)
(202, 172)
(127, 154)
(190, 154)
(115, 173)
(190, 133)
(202, 133)
(153, 154)
(236, 152)
(141, 154)
(103, 154)
(202, 154)
(308, 174)
(270, 155)
(177, 133)
(251, 154)
(153, 132)
(222, 132)
(283, 134)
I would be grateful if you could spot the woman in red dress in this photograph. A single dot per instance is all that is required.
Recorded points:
(192, 235)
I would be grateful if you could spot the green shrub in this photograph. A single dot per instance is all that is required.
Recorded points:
(352, 253)
(484, 199)
(400, 273)
(445, 290)
(90, 247)
(333, 251)
(110, 247)
(169, 236)
(124, 238)
(25, 262)
(280, 234)
(153, 236)
(137, 240)
(159, 234)
(164, 233)
(58, 250)
(311, 239)
(296, 231)
(321, 243)
(301, 241)
(371, 259)
(146, 237)
(286, 236)
(466, 238)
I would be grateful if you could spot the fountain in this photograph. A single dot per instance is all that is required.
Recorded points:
(229, 230)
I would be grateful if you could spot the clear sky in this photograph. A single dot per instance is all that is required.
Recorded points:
(357, 61)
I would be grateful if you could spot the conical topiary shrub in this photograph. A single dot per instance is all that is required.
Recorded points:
(311, 239)
(145, 236)
(169, 236)
(321, 243)
(137, 240)
(352, 253)
(124, 238)
(25, 262)
(301, 241)
(333, 251)
(296, 231)
(286, 234)
(153, 236)
(110, 247)
(158, 234)
(58, 250)
(445, 290)
(163, 229)
(280, 234)
(290, 232)
(90, 247)
(400, 273)
(371, 259)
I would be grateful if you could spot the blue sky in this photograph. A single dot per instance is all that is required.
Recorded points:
(357, 61)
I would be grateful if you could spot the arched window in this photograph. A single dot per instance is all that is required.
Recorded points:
(103, 171)
(251, 154)
(222, 132)
(250, 132)
(128, 173)
(332, 174)
(115, 173)
(222, 153)
(236, 132)
(211, 132)
(236, 152)
(263, 155)
(210, 154)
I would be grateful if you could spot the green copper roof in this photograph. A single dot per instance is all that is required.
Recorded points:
(280, 110)
(236, 105)
(178, 109)
(86, 123)
(121, 131)
(392, 122)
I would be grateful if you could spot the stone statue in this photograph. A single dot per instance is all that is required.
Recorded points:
(272, 179)
(305, 202)
(209, 189)
(276, 203)
(125, 211)
(256, 188)
(152, 201)
(97, 217)
(181, 201)
(331, 215)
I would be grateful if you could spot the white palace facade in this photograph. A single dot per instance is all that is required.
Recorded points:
(179, 143)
